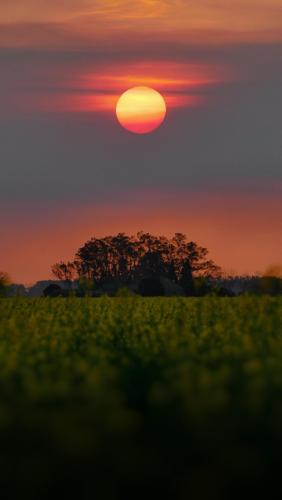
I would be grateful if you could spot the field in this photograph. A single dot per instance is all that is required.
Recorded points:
(106, 398)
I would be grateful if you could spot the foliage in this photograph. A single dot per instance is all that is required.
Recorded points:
(109, 397)
(5, 283)
(151, 287)
(204, 286)
(124, 292)
(270, 285)
(53, 291)
(64, 271)
(85, 287)
(127, 259)
(271, 282)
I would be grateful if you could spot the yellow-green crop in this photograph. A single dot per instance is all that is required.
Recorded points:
(101, 398)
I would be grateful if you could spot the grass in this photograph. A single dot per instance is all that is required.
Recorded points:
(110, 397)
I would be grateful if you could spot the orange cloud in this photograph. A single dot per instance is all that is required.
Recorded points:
(203, 14)
(98, 86)
(166, 75)
(179, 20)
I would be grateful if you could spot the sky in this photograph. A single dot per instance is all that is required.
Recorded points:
(69, 171)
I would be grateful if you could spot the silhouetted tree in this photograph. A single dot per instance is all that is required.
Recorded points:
(127, 259)
(186, 278)
(151, 287)
(64, 271)
(107, 259)
(4, 284)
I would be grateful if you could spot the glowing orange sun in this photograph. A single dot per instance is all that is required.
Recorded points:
(141, 110)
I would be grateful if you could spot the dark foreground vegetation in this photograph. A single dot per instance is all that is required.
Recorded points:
(131, 397)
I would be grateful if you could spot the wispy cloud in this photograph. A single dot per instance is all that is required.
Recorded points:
(82, 22)
(44, 83)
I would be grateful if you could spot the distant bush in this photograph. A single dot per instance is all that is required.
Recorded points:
(53, 291)
(271, 282)
(204, 286)
(5, 284)
(124, 292)
(270, 285)
(151, 287)
(85, 287)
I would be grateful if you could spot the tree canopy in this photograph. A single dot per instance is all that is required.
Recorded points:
(127, 259)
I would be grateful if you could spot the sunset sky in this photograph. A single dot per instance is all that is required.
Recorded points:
(69, 171)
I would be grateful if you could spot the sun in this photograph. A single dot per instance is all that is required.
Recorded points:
(141, 110)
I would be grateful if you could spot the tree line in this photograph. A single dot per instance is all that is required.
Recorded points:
(129, 259)
(149, 265)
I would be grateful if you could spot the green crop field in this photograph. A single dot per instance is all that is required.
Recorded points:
(102, 398)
